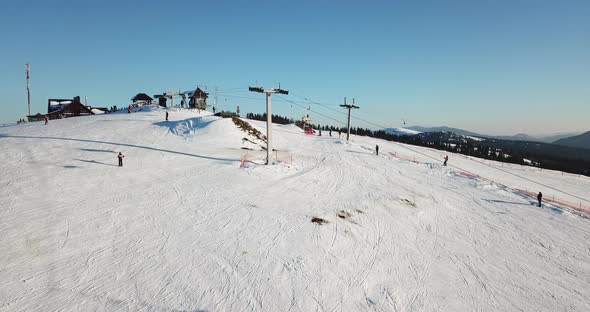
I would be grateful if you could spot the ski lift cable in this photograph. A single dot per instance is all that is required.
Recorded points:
(289, 101)
(252, 98)
(231, 91)
(318, 113)
(340, 111)
(311, 101)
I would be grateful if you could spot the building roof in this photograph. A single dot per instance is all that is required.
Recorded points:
(141, 97)
(200, 94)
(75, 107)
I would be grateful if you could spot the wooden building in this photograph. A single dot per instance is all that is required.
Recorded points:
(142, 99)
(63, 108)
(198, 99)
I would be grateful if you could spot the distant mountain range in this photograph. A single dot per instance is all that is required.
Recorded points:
(582, 141)
(573, 158)
(445, 129)
(516, 137)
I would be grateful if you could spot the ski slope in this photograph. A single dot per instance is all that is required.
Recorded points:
(194, 222)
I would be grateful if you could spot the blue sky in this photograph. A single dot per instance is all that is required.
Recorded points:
(491, 66)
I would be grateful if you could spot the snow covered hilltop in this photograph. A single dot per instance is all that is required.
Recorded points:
(194, 222)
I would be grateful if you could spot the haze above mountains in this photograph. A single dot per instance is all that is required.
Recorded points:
(550, 138)
(557, 138)
(572, 139)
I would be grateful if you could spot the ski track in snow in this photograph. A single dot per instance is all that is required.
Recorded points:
(181, 227)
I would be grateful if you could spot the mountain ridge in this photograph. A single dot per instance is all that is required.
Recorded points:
(581, 141)
(548, 138)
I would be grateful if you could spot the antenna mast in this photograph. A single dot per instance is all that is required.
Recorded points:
(28, 88)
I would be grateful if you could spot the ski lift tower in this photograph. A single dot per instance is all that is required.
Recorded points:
(268, 93)
(349, 107)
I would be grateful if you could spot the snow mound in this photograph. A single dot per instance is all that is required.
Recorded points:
(187, 127)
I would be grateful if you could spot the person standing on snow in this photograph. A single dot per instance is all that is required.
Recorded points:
(446, 159)
(540, 198)
(377, 149)
(330, 132)
(120, 156)
(46, 119)
(166, 116)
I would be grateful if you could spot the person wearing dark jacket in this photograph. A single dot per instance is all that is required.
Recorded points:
(120, 156)
(446, 159)
(377, 149)
(540, 198)
(166, 116)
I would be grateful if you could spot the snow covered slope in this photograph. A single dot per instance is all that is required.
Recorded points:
(193, 222)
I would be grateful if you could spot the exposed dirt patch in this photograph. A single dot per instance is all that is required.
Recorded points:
(408, 202)
(343, 214)
(319, 221)
(246, 127)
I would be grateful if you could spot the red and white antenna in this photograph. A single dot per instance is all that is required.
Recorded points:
(28, 88)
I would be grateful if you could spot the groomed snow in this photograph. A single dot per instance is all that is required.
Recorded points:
(193, 222)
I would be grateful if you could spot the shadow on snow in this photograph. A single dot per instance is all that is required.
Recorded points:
(96, 150)
(94, 162)
(185, 127)
(118, 144)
